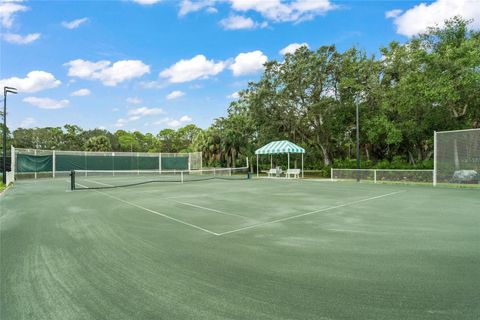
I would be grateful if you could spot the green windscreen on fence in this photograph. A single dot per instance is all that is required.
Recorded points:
(29, 163)
(64, 161)
(69, 162)
(171, 163)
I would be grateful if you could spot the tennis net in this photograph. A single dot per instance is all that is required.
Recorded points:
(105, 179)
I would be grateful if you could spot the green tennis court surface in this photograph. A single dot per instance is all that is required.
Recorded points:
(246, 249)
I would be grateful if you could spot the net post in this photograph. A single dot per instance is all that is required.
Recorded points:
(53, 164)
(113, 164)
(331, 174)
(434, 158)
(181, 176)
(72, 180)
(214, 173)
(189, 161)
(374, 175)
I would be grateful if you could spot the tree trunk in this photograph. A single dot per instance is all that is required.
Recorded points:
(326, 157)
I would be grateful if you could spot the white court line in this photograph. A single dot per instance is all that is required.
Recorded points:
(100, 183)
(155, 212)
(209, 209)
(309, 213)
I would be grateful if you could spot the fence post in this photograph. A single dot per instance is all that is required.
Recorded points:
(160, 162)
(331, 174)
(13, 165)
(35, 154)
(53, 164)
(434, 158)
(374, 175)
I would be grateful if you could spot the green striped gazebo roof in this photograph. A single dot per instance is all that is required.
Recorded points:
(282, 146)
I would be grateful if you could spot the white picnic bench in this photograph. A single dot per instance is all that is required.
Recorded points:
(274, 172)
(293, 172)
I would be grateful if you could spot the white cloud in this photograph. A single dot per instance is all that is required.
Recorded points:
(233, 96)
(144, 111)
(134, 100)
(74, 23)
(174, 123)
(393, 13)
(34, 81)
(248, 63)
(19, 39)
(137, 114)
(109, 74)
(188, 6)
(46, 103)
(27, 122)
(196, 68)
(8, 9)
(115, 109)
(153, 84)
(81, 93)
(185, 118)
(240, 22)
(282, 11)
(146, 2)
(212, 10)
(422, 16)
(291, 48)
(175, 94)
(273, 10)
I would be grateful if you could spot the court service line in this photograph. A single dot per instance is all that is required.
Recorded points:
(155, 212)
(311, 212)
(209, 209)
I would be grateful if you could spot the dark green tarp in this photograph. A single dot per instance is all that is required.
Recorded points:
(178, 163)
(32, 163)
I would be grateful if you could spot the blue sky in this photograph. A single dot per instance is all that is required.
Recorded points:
(147, 65)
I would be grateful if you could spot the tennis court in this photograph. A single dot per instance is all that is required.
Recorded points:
(240, 249)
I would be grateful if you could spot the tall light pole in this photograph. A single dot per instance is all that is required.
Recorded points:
(5, 91)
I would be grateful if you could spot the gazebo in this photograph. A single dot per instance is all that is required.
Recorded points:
(280, 147)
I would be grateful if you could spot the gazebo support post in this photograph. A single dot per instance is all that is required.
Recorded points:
(288, 166)
(257, 165)
(302, 165)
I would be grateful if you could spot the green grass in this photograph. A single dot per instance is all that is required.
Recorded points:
(2, 187)
(258, 249)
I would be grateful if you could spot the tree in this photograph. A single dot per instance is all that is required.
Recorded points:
(98, 143)
(168, 140)
(127, 141)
